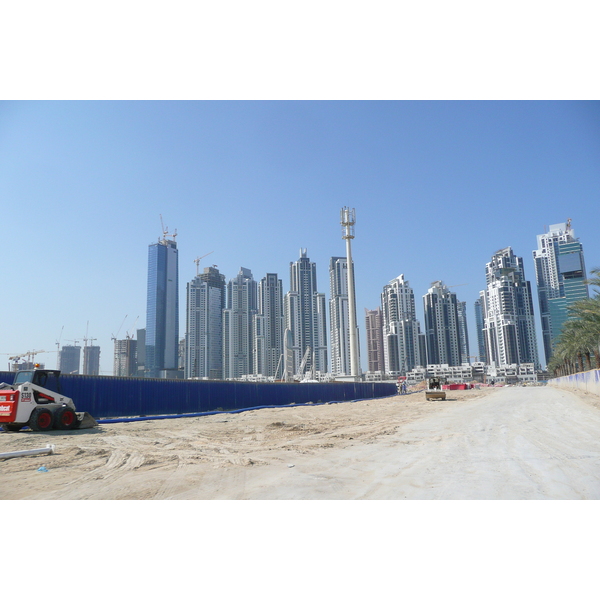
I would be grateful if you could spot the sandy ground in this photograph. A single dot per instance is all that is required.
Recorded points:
(510, 443)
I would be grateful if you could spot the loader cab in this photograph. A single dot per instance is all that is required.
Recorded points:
(42, 377)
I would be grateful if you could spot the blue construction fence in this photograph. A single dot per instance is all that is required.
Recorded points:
(112, 397)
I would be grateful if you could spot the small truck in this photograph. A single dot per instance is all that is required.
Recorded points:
(434, 389)
(35, 400)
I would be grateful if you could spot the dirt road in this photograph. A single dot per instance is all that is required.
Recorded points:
(510, 443)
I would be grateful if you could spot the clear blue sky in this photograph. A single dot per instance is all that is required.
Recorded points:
(438, 186)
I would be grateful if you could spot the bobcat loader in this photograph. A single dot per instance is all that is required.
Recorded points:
(34, 400)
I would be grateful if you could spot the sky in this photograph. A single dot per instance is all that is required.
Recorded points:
(438, 187)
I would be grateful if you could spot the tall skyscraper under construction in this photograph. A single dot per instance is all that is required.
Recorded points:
(162, 309)
(69, 359)
(560, 276)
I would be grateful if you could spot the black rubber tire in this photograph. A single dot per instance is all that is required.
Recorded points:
(41, 419)
(65, 418)
(12, 427)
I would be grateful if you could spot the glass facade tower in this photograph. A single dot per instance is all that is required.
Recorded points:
(560, 276)
(162, 309)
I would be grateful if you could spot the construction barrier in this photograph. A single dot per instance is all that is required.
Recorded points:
(113, 397)
(588, 381)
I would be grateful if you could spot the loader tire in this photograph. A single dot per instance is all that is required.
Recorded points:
(65, 418)
(41, 419)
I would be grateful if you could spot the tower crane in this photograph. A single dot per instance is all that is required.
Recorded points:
(165, 230)
(197, 261)
(114, 337)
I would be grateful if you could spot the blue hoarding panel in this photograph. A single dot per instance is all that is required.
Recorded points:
(105, 397)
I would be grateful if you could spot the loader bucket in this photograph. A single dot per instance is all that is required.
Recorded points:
(86, 421)
(434, 394)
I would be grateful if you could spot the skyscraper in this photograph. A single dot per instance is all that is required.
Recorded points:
(241, 306)
(560, 275)
(508, 312)
(162, 309)
(125, 358)
(374, 327)
(442, 326)
(204, 325)
(69, 359)
(400, 327)
(479, 325)
(268, 328)
(339, 328)
(91, 360)
(305, 315)
(463, 331)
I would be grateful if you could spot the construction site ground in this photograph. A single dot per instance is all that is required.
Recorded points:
(494, 443)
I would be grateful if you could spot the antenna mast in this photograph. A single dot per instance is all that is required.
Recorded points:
(348, 219)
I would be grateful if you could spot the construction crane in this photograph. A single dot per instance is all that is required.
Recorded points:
(114, 337)
(197, 261)
(165, 230)
(128, 335)
(29, 355)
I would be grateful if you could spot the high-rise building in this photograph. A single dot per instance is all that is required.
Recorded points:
(442, 326)
(560, 276)
(241, 307)
(508, 312)
(479, 325)
(141, 352)
(463, 331)
(91, 360)
(204, 325)
(339, 316)
(162, 310)
(125, 359)
(401, 329)
(305, 316)
(268, 328)
(374, 327)
(69, 360)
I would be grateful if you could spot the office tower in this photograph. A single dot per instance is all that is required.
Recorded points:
(508, 312)
(374, 327)
(69, 359)
(441, 326)
(268, 328)
(204, 325)
(125, 358)
(560, 275)
(463, 331)
(305, 316)
(91, 360)
(241, 306)
(479, 325)
(400, 327)
(339, 317)
(162, 309)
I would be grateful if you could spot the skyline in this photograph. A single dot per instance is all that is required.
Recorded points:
(438, 187)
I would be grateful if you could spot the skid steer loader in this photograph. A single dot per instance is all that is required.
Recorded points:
(34, 399)
(434, 389)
